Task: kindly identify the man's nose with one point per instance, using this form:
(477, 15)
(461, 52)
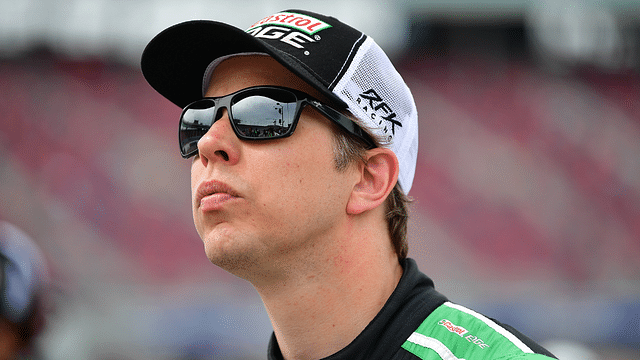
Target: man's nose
(220, 143)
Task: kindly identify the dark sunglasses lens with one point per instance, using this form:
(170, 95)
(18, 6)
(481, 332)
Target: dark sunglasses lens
(264, 114)
(196, 120)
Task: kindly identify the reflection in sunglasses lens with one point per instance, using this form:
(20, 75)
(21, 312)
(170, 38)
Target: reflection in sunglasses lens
(258, 113)
(262, 116)
(196, 121)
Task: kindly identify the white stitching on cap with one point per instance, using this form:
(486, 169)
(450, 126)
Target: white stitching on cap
(353, 48)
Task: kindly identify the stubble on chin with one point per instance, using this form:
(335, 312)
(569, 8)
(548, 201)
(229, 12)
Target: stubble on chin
(231, 255)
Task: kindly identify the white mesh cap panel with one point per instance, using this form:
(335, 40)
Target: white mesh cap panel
(378, 96)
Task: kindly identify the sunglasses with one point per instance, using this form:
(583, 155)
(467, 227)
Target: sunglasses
(256, 113)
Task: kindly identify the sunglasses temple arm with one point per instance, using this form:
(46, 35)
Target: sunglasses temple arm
(343, 121)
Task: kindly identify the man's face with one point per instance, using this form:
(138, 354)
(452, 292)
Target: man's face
(270, 202)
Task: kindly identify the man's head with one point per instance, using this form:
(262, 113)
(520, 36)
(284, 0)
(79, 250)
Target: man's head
(318, 55)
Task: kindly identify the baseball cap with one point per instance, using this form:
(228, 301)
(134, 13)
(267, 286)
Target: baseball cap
(342, 63)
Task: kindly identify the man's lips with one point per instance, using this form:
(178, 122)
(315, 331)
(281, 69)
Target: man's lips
(210, 195)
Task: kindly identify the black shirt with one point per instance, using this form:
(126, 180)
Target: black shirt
(413, 300)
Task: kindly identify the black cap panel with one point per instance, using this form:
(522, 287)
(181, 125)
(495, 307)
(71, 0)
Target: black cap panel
(174, 62)
(315, 47)
(322, 46)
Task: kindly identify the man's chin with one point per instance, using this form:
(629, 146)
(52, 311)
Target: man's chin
(231, 257)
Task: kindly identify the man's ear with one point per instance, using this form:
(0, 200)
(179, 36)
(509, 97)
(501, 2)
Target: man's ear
(378, 176)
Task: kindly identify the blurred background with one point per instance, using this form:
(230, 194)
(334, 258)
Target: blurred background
(527, 190)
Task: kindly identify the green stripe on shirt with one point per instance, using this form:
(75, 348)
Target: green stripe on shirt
(453, 332)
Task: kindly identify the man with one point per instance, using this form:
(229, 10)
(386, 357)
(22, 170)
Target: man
(299, 188)
(23, 279)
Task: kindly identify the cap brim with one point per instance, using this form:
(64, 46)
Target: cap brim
(174, 62)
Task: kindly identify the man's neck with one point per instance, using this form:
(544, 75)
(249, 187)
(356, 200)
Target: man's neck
(319, 309)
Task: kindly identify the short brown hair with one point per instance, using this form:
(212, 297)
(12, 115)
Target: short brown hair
(349, 150)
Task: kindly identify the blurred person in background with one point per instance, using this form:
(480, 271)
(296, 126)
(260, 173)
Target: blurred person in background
(24, 277)
(300, 187)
